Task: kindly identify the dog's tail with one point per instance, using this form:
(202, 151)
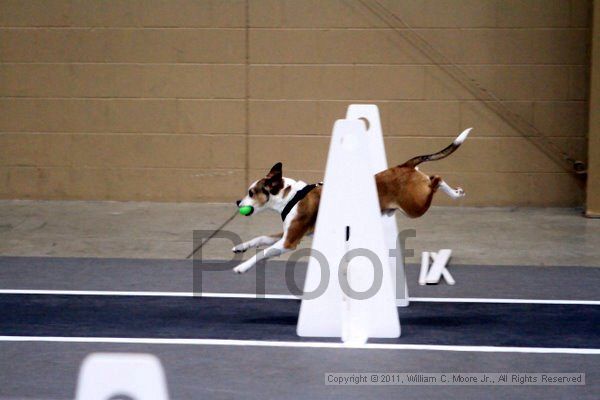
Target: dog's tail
(413, 162)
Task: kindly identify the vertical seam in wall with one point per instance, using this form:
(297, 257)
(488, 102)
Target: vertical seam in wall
(570, 24)
(247, 96)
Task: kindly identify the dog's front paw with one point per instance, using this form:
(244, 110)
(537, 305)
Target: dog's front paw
(240, 248)
(460, 192)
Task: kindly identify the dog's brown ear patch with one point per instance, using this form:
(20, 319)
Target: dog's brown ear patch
(275, 170)
(274, 185)
(274, 179)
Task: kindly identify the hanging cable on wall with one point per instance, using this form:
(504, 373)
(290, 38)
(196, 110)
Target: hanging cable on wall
(491, 101)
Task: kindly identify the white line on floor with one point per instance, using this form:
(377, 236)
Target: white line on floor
(509, 301)
(286, 296)
(326, 345)
(142, 293)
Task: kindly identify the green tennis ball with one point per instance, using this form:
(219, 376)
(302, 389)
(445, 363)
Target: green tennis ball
(246, 210)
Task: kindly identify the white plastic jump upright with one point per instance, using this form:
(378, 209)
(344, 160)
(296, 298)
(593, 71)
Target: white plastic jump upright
(349, 229)
(369, 113)
(120, 375)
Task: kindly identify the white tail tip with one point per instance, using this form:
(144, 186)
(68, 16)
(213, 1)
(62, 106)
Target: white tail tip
(462, 137)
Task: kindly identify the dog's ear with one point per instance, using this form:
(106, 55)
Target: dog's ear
(274, 179)
(275, 170)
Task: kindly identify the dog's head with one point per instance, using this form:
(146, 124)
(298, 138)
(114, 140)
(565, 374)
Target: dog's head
(262, 193)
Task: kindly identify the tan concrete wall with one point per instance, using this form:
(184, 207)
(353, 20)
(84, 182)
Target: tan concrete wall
(593, 185)
(187, 100)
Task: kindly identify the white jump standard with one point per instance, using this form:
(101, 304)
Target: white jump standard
(345, 238)
(352, 218)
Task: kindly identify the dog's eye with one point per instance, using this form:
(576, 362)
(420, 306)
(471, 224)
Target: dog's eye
(250, 193)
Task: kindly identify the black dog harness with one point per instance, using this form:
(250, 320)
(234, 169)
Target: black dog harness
(300, 194)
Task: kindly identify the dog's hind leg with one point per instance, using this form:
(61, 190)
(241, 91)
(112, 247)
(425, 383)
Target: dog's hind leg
(453, 193)
(257, 242)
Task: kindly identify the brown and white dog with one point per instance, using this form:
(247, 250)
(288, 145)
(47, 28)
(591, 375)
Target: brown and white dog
(402, 187)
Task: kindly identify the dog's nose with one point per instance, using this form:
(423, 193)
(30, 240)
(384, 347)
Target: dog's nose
(237, 202)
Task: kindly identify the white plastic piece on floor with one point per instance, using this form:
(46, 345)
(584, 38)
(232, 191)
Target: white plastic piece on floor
(447, 277)
(438, 267)
(424, 268)
(349, 228)
(369, 114)
(120, 375)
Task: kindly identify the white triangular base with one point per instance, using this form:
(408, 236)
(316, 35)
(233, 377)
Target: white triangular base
(349, 202)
